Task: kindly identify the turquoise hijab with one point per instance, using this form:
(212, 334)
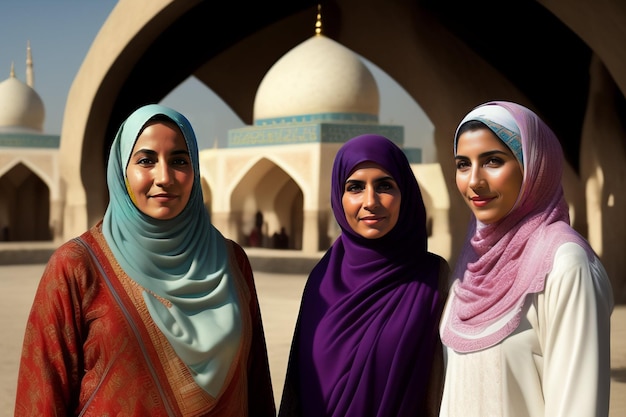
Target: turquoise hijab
(183, 260)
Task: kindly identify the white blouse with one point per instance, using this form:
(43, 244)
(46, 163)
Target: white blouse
(555, 364)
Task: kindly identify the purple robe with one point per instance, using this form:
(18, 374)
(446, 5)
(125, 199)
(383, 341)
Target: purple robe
(366, 340)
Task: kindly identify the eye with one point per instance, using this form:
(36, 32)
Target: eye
(145, 161)
(353, 187)
(180, 161)
(494, 162)
(385, 186)
(462, 164)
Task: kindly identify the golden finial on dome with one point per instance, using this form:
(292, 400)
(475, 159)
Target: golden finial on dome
(12, 74)
(318, 21)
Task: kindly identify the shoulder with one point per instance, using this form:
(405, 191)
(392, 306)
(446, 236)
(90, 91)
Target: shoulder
(238, 257)
(235, 249)
(443, 268)
(560, 251)
(571, 256)
(73, 258)
(576, 269)
(70, 252)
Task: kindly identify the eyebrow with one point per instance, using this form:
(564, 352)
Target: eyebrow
(151, 152)
(380, 179)
(485, 154)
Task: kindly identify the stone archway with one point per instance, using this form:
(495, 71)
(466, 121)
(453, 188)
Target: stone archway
(267, 189)
(25, 206)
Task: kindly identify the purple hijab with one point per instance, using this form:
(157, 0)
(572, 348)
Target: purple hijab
(367, 328)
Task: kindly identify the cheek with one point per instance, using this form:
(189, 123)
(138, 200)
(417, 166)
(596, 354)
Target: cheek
(347, 201)
(514, 189)
(460, 183)
(187, 180)
(394, 208)
(136, 180)
(510, 182)
(351, 207)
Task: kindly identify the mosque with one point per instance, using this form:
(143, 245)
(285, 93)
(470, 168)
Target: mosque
(568, 66)
(314, 98)
(278, 168)
(30, 183)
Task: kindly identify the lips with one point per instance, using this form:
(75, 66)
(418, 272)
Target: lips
(480, 201)
(163, 196)
(371, 219)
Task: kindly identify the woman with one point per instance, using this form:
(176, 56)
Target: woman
(527, 323)
(366, 340)
(151, 311)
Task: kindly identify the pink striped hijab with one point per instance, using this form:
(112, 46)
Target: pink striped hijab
(501, 263)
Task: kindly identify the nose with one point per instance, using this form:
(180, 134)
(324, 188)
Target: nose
(476, 180)
(163, 175)
(370, 199)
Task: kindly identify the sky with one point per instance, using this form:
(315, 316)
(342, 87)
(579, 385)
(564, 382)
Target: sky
(61, 32)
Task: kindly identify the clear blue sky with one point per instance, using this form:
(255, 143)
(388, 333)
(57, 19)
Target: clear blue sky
(60, 34)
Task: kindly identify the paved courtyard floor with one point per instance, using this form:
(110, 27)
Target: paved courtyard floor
(279, 295)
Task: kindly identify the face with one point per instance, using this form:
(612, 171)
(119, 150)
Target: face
(488, 175)
(159, 172)
(371, 201)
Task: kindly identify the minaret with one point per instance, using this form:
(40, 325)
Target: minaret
(30, 76)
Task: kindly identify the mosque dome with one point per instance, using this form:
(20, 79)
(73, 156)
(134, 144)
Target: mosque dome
(317, 76)
(20, 105)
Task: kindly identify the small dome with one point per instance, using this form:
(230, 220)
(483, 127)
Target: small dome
(20, 105)
(317, 76)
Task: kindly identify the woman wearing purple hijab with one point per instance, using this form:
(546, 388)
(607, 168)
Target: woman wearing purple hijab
(527, 324)
(366, 340)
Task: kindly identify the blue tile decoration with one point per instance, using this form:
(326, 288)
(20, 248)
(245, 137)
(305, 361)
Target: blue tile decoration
(311, 128)
(29, 140)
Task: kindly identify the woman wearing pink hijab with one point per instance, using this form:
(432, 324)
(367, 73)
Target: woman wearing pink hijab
(526, 327)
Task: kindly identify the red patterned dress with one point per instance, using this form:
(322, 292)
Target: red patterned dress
(92, 349)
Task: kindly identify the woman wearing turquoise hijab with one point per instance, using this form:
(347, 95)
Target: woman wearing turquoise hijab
(151, 311)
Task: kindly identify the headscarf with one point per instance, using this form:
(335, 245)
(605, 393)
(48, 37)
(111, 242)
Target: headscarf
(368, 322)
(501, 263)
(183, 260)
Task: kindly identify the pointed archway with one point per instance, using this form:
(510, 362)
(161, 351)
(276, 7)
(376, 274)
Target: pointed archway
(267, 189)
(25, 206)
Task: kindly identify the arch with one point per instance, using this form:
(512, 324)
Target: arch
(268, 189)
(448, 66)
(264, 161)
(25, 206)
(43, 176)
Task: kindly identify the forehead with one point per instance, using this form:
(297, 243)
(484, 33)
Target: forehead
(368, 167)
(158, 131)
(480, 140)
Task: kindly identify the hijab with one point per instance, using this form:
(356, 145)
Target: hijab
(368, 321)
(183, 260)
(502, 263)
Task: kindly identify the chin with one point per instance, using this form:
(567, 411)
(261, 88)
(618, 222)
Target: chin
(163, 216)
(374, 235)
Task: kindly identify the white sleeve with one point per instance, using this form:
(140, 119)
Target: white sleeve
(577, 309)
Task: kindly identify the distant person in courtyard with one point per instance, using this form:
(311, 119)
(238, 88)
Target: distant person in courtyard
(366, 341)
(151, 312)
(527, 323)
(255, 238)
(280, 239)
